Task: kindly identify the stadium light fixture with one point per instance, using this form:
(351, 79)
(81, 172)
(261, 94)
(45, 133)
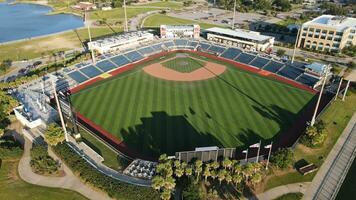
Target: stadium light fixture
(60, 112)
(295, 43)
(89, 34)
(318, 102)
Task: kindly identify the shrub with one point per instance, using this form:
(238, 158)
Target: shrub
(88, 174)
(9, 148)
(314, 135)
(283, 158)
(41, 162)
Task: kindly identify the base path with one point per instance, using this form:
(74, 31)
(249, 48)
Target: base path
(331, 174)
(69, 181)
(282, 190)
(210, 70)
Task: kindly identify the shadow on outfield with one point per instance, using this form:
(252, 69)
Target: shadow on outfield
(163, 133)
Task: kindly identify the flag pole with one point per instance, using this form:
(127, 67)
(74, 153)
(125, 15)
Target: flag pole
(338, 88)
(269, 155)
(258, 152)
(246, 155)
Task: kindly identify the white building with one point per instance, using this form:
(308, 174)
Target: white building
(121, 42)
(328, 33)
(240, 38)
(180, 31)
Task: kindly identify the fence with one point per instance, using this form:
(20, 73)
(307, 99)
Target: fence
(205, 156)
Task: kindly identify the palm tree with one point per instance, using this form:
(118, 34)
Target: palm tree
(198, 167)
(183, 165)
(157, 182)
(256, 178)
(160, 168)
(226, 163)
(177, 164)
(170, 183)
(233, 164)
(215, 165)
(228, 178)
(188, 171)
(166, 194)
(163, 158)
(213, 174)
(247, 171)
(206, 173)
(221, 175)
(179, 172)
(237, 178)
(237, 169)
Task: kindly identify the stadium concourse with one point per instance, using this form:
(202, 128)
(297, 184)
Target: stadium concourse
(86, 71)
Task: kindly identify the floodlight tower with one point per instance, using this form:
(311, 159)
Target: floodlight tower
(60, 112)
(87, 23)
(296, 43)
(318, 102)
(233, 17)
(126, 26)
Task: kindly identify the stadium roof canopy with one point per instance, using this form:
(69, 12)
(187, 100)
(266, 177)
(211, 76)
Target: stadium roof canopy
(239, 33)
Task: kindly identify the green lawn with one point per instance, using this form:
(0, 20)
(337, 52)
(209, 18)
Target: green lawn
(184, 65)
(336, 118)
(348, 187)
(163, 4)
(290, 196)
(12, 187)
(158, 19)
(156, 116)
(118, 13)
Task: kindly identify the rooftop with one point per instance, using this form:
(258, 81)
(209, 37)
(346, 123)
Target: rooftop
(317, 67)
(240, 33)
(186, 26)
(338, 22)
(121, 38)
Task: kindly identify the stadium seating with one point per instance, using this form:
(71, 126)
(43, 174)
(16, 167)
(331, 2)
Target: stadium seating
(90, 71)
(120, 60)
(290, 72)
(204, 46)
(77, 76)
(259, 62)
(231, 53)
(157, 47)
(134, 56)
(80, 65)
(273, 66)
(106, 65)
(146, 50)
(307, 80)
(216, 49)
(192, 44)
(180, 42)
(169, 44)
(297, 64)
(245, 58)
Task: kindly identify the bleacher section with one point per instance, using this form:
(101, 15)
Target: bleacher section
(84, 71)
(77, 76)
(120, 60)
(290, 72)
(273, 66)
(245, 58)
(231, 53)
(90, 71)
(259, 62)
(105, 65)
(134, 56)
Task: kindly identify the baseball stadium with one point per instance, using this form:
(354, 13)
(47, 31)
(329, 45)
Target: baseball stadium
(176, 95)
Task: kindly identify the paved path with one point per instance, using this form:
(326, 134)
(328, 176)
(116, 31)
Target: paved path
(281, 190)
(69, 181)
(331, 174)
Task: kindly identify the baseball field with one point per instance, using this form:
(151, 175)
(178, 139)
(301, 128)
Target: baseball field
(183, 101)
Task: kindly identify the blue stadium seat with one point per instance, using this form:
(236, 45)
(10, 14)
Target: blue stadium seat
(290, 72)
(307, 80)
(90, 71)
(216, 49)
(180, 42)
(273, 66)
(245, 58)
(146, 50)
(297, 64)
(157, 47)
(77, 76)
(204, 46)
(192, 44)
(231, 53)
(105, 65)
(120, 60)
(169, 44)
(259, 62)
(134, 56)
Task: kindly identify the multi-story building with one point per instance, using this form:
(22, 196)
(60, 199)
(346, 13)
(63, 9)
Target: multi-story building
(328, 33)
(249, 40)
(180, 31)
(121, 41)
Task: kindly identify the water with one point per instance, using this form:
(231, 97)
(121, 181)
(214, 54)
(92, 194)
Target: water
(24, 21)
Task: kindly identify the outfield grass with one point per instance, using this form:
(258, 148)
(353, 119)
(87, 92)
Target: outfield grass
(156, 20)
(156, 116)
(335, 118)
(12, 187)
(184, 65)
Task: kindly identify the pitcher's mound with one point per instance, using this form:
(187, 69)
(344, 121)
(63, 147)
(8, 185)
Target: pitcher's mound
(210, 70)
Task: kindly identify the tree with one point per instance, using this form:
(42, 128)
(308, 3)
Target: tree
(198, 167)
(170, 183)
(215, 165)
(283, 158)
(226, 163)
(188, 171)
(179, 172)
(283, 5)
(166, 194)
(248, 170)
(157, 182)
(221, 175)
(54, 135)
(256, 178)
(262, 4)
(228, 178)
(237, 179)
(5, 65)
(206, 173)
(281, 52)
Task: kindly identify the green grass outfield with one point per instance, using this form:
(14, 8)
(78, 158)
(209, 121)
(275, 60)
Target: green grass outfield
(184, 64)
(155, 116)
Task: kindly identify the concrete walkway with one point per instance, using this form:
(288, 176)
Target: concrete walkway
(69, 181)
(331, 174)
(281, 190)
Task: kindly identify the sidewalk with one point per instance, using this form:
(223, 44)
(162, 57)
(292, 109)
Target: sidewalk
(69, 181)
(281, 190)
(332, 173)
